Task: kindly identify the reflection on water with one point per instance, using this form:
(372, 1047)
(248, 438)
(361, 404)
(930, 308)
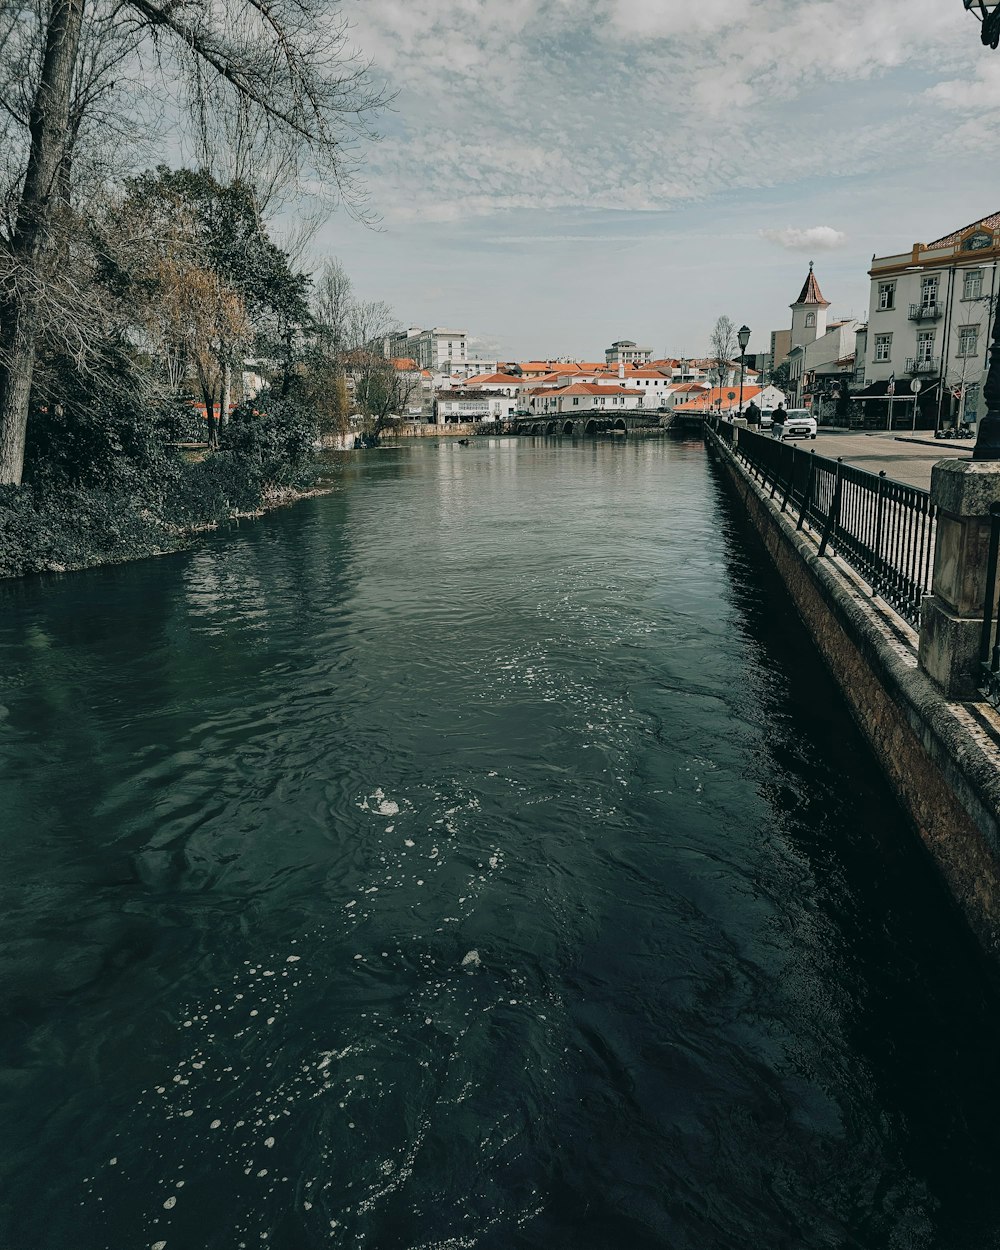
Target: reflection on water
(476, 856)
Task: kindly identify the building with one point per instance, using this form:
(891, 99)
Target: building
(685, 392)
(625, 352)
(725, 399)
(464, 369)
(477, 405)
(580, 397)
(930, 321)
(825, 366)
(439, 350)
(808, 322)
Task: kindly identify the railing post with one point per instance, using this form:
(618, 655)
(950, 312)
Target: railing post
(951, 617)
(830, 529)
(879, 509)
(791, 480)
(807, 497)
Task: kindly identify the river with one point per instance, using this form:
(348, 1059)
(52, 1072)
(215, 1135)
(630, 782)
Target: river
(477, 856)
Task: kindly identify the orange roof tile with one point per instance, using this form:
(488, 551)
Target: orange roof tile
(718, 396)
(992, 222)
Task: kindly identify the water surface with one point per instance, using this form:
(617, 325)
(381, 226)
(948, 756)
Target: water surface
(478, 856)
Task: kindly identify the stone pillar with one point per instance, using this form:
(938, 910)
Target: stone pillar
(951, 617)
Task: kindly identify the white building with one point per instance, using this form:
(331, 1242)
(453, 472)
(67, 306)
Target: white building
(812, 368)
(584, 397)
(625, 352)
(656, 387)
(478, 405)
(930, 321)
(439, 350)
(465, 369)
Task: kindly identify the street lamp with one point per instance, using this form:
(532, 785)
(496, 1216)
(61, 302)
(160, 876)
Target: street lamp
(988, 12)
(743, 337)
(988, 435)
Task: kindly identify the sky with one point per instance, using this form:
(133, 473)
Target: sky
(557, 174)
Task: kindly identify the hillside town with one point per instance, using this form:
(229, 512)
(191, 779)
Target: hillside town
(919, 360)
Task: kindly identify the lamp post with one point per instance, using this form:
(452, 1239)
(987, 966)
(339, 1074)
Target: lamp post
(743, 337)
(988, 436)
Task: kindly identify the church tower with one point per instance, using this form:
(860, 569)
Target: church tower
(809, 313)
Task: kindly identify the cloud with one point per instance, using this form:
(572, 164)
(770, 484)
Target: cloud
(811, 239)
(649, 105)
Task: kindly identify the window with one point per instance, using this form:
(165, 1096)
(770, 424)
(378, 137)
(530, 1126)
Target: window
(886, 296)
(925, 346)
(810, 319)
(968, 341)
(883, 347)
(929, 291)
(576, 403)
(972, 286)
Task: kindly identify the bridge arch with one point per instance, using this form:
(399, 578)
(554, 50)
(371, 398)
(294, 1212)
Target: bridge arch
(568, 427)
(590, 427)
(620, 424)
(537, 428)
(550, 428)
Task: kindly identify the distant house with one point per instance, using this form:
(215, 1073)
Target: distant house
(472, 405)
(580, 397)
(625, 352)
(727, 399)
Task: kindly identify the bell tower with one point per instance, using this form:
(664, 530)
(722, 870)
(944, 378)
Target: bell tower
(809, 313)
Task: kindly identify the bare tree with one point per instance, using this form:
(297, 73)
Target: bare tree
(280, 71)
(966, 364)
(722, 347)
(333, 302)
(383, 387)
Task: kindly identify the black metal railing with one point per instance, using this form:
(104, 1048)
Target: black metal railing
(883, 529)
(925, 312)
(989, 648)
(921, 364)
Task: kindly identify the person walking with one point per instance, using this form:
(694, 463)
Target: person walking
(753, 415)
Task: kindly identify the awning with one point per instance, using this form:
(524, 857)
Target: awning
(879, 390)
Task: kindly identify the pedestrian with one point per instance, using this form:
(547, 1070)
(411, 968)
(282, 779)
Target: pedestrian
(753, 414)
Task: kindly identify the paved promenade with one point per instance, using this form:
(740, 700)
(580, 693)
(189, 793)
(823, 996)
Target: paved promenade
(907, 459)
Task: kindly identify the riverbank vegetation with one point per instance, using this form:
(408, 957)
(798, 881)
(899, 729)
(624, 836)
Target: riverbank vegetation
(147, 312)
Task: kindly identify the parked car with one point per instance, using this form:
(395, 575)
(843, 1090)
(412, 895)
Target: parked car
(766, 418)
(797, 423)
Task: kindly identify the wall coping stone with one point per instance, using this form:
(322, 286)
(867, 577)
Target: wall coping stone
(965, 488)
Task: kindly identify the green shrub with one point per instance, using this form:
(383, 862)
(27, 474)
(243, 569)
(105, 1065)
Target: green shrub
(103, 485)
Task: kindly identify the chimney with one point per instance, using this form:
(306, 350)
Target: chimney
(621, 370)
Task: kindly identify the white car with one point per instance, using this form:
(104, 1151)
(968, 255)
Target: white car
(796, 423)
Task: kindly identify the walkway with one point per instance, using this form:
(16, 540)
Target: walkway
(908, 458)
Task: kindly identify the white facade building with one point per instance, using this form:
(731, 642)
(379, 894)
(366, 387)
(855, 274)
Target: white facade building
(440, 350)
(930, 320)
(479, 405)
(625, 352)
(813, 366)
(584, 397)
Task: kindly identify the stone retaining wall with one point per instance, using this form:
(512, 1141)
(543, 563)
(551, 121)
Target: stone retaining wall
(942, 757)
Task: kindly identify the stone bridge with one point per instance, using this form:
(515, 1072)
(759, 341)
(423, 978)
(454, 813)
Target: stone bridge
(579, 425)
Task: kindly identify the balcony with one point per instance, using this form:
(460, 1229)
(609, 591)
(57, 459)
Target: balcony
(919, 365)
(925, 312)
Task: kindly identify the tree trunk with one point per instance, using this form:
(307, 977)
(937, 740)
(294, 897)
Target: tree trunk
(49, 130)
(227, 391)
